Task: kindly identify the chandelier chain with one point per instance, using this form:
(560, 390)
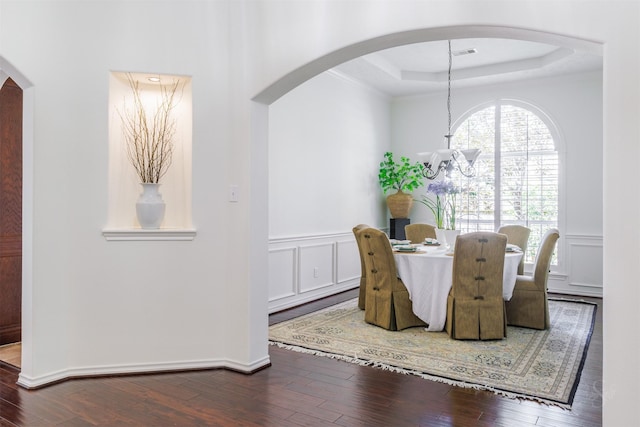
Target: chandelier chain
(449, 160)
(449, 92)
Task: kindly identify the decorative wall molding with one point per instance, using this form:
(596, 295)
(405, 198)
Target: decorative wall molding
(583, 273)
(306, 268)
(349, 267)
(283, 272)
(358, 84)
(147, 234)
(590, 237)
(308, 237)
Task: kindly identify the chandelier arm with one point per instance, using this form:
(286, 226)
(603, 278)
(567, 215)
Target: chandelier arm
(467, 171)
(429, 173)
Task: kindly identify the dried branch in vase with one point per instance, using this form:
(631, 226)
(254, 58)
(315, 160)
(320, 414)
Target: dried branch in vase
(149, 136)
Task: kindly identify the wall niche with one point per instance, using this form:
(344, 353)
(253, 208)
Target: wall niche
(124, 180)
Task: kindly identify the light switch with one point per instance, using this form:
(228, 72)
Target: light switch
(233, 193)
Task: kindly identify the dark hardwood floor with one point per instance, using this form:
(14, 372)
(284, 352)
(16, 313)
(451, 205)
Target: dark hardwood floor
(297, 390)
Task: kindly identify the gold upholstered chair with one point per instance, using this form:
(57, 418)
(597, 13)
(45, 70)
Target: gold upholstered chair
(363, 274)
(517, 235)
(528, 307)
(418, 232)
(475, 307)
(387, 300)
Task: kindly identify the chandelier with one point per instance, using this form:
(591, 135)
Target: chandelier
(449, 160)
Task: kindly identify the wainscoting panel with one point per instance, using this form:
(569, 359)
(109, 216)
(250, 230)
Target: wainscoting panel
(283, 272)
(585, 256)
(349, 267)
(583, 267)
(306, 268)
(316, 266)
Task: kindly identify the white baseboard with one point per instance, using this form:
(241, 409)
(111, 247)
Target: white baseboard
(96, 371)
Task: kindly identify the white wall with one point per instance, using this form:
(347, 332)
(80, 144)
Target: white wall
(326, 139)
(573, 103)
(95, 304)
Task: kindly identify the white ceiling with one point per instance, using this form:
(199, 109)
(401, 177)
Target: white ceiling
(422, 67)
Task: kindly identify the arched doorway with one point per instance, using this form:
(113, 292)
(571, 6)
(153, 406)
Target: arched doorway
(10, 222)
(22, 111)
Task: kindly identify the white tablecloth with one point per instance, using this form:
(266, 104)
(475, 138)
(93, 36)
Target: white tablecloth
(428, 276)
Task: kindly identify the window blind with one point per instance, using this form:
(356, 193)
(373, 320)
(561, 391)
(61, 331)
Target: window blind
(516, 178)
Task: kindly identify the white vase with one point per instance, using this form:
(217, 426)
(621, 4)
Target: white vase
(447, 237)
(150, 206)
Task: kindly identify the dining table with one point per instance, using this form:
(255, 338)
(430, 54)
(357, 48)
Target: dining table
(427, 274)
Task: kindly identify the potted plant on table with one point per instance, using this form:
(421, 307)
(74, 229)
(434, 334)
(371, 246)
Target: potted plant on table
(443, 208)
(404, 177)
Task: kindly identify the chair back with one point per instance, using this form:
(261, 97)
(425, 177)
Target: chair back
(543, 257)
(517, 235)
(378, 258)
(475, 308)
(387, 300)
(363, 270)
(478, 265)
(417, 233)
(381, 278)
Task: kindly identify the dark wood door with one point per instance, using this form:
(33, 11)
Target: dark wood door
(10, 212)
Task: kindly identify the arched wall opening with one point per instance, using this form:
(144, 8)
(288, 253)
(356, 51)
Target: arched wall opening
(262, 101)
(330, 60)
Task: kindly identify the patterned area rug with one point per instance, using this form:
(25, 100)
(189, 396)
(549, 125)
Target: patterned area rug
(539, 365)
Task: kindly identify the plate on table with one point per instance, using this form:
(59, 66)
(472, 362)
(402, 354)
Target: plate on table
(405, 248)
(395, 242)
(431, 242)
(513, 248)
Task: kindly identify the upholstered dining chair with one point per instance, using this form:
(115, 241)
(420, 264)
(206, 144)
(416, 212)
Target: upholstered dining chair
(363, 274)
(529, 307)
(475, 307)
(517, 235)
(387, 300)
(418, 232)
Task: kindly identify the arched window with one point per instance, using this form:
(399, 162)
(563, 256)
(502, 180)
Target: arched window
(517, 173)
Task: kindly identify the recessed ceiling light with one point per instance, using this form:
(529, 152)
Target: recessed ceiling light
(464, 52)
(154, 79)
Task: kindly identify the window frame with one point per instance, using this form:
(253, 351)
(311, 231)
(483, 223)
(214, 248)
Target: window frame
(559, 145)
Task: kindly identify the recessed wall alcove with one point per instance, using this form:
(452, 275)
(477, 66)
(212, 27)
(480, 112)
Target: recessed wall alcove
(124, 184)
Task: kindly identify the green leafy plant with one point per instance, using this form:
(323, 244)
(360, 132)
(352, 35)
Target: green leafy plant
(402, 176)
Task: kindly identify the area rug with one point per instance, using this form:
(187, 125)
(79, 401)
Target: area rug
(538, 365)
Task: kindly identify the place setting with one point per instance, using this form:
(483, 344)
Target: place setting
(404, 246)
